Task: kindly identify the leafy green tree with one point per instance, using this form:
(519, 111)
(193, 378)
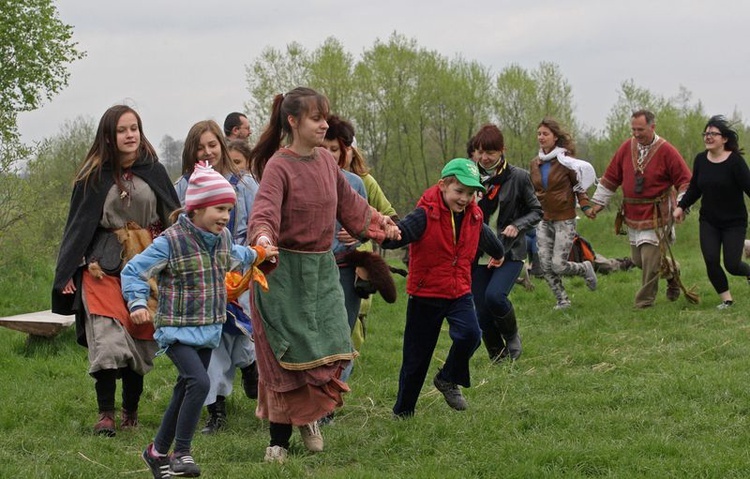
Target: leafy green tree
(330, 71)
(523, 98)
(390, 116)
(35, 50)
(48, 183)
(678, 120)
(414, 109)
(272, 73)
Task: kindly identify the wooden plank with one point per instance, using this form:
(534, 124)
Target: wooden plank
(40, 323)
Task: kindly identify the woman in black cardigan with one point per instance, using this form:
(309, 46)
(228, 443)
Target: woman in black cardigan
(722, 179)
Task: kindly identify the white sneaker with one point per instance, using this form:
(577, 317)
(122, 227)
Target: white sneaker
(311, 437)
(275, 454)
(725, 304)
(564, 304)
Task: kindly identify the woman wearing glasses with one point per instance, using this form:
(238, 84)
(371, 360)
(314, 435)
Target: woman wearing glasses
(720, 177)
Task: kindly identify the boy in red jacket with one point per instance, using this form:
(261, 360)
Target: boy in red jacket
(443, 233)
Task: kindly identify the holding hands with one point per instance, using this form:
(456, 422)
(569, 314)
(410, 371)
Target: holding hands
(591, 212)
(271, 252)
(679, 215)
(140, 316)
(495, 263)
(392, 232)
(510, 231)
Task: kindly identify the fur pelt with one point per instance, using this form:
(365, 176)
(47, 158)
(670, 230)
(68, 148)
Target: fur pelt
(134, 240)
(378, 272)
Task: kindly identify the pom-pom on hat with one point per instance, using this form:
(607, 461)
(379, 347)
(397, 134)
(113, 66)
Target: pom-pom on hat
(207, 187)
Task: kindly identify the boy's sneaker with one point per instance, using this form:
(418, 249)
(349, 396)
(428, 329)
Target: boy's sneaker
(311, 437)
(158, 465)
(276, 454)
(589, 275)
(184, 466)
(106, 424)
(451, 393)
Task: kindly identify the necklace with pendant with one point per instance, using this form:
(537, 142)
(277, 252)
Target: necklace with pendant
(127, 186)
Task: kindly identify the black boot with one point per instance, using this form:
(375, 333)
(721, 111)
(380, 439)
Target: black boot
(217, 416)
(508, 327)
(493, 341)
(250, 380)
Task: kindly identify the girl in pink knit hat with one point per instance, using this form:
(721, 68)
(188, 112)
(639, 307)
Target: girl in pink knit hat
(236, 351)
(189, 261)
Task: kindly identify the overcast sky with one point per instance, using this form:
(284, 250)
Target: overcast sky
(181, 61)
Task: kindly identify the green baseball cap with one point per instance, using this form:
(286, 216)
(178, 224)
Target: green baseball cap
(465, 170)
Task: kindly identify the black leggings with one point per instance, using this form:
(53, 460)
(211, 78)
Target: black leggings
(732, 240)
(106, 387)
(280, 434)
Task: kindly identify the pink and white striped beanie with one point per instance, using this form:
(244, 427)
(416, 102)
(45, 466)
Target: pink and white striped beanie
(207, 187)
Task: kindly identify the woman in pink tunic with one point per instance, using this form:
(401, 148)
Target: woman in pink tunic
(302, 337)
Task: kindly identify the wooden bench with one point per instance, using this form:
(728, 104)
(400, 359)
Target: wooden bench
(42, 323)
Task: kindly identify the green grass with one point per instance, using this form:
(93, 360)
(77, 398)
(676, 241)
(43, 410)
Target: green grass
(601, 390)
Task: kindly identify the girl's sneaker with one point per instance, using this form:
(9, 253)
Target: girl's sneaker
(276, 454)
(311, 437)
(158, 465)
(184, 466)
(725, 304)
(564, 304)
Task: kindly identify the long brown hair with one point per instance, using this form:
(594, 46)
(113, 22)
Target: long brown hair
(297, 103)
(190, 149)
(104, 149)
(564, 139)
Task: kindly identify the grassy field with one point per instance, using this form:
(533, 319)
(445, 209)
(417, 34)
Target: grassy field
(602, 390)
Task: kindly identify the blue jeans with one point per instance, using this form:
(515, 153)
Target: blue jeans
(424, 318)
(184, 411)
(531, 247)
(491, 287)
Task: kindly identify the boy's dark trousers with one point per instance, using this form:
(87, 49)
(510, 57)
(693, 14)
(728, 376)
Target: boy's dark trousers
(424, 318)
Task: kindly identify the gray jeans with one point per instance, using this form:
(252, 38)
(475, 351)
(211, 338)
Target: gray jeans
(554, 240)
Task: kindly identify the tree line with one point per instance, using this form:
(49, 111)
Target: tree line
(414, 109)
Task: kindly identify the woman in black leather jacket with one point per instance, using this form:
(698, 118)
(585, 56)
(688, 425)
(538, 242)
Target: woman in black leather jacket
(511, 208)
